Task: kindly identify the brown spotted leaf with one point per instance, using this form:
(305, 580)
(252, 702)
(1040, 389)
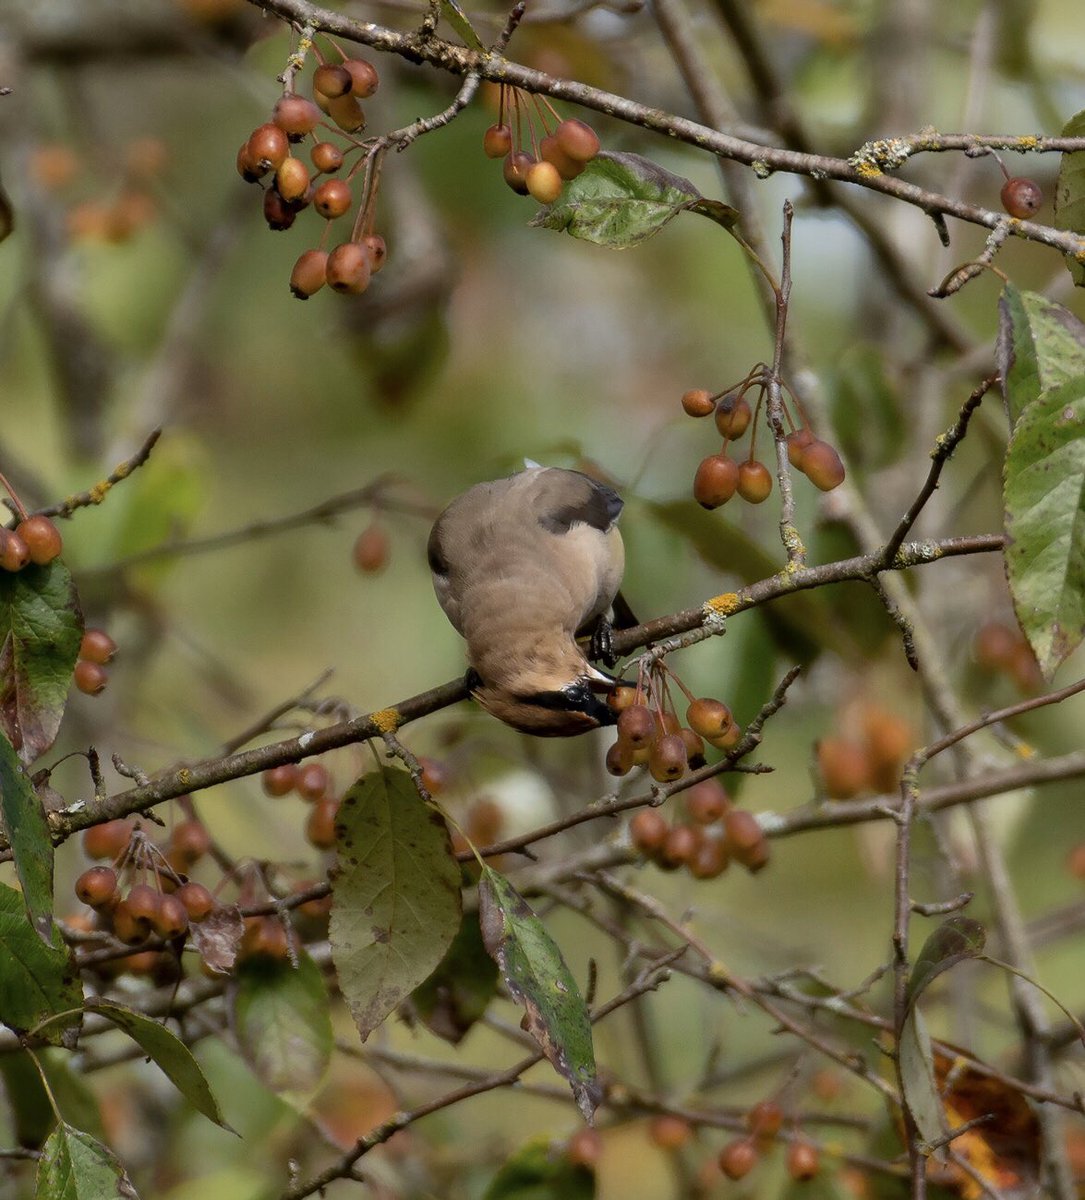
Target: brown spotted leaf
(537, 977)
(395, 897)
(1041, 344)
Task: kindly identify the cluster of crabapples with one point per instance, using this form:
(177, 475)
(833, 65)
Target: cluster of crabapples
(865, 753)
(713, 834)
(111, 209)
(650, 733)
(719, 476)
(142, 895)
(96, 652)
(144, 892)
(312, 782)
(764, 1122)
(672, 1133)
(33, 540)
(269, 153)
(538, 166)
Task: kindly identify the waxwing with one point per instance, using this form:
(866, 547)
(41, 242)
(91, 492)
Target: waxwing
(521, 566)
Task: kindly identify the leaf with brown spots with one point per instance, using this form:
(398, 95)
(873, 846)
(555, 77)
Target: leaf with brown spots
(536, 975)
(1041, 344)
(395, 897)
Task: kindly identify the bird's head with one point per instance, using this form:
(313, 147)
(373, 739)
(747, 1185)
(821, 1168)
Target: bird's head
(571, 709)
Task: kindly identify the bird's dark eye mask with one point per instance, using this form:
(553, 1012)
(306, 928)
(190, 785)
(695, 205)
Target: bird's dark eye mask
(575, 697)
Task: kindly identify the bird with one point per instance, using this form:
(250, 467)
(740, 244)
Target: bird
(520, 566)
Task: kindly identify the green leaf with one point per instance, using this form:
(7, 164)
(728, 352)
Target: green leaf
(1044, 492)
(539, 1171)
(27, 830)
(458, 993)
(37, 980)
(618, 200)
(956, 939)
(457, 18)
(537, 977)
(74, 1166)
(168, 1051)
(1040, 345)
(1070, 194)
(917, 1078)
(40, 629)
(396, 896)
(281, 1016)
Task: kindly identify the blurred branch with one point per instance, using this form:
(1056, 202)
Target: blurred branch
(372, 494)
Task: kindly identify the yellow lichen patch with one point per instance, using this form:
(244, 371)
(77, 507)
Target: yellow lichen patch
(718, 974)
(386, 720)
(184, 776)
(724, 605)
(866, 169)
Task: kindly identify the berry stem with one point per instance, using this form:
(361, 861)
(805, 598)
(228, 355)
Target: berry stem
(553, 111)
(677, 679)
(518, 139)
(542, 112)
(756, 414)
(338, 49)
(23, 514)
(363, 223)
